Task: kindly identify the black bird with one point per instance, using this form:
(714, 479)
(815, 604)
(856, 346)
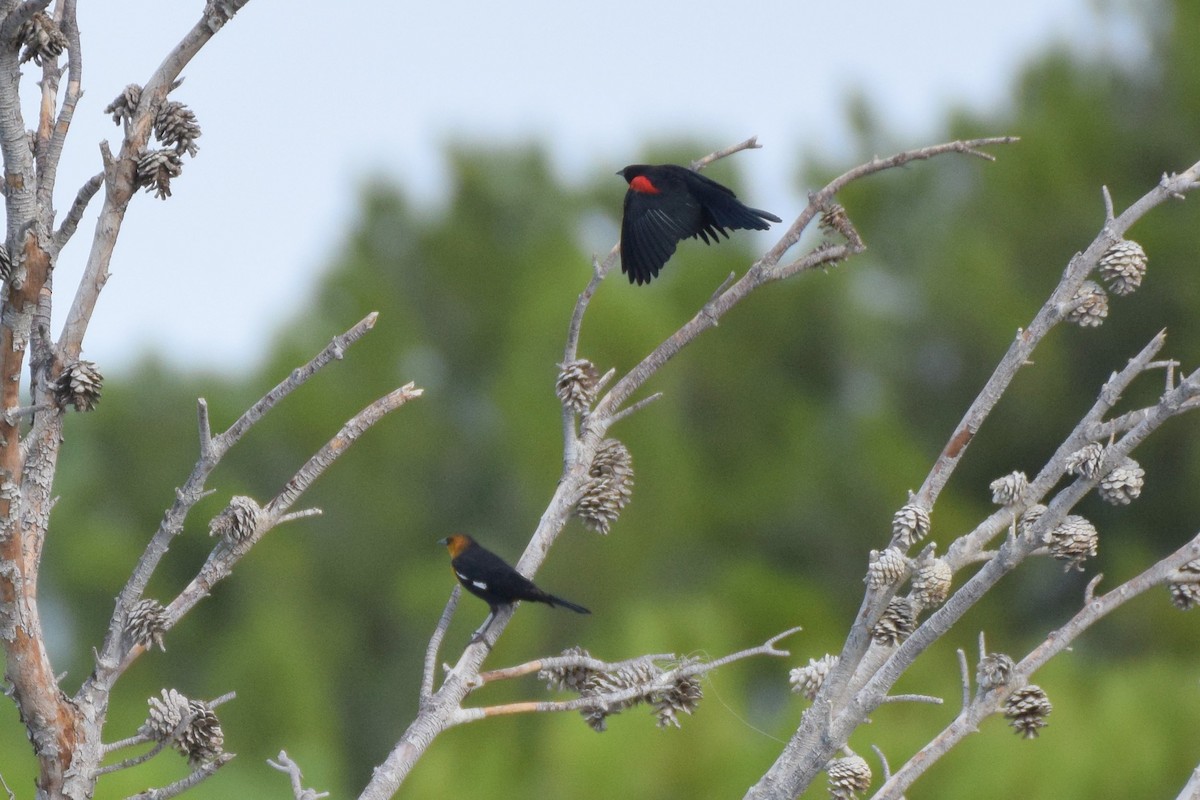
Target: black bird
(485, 575)
(667, 203)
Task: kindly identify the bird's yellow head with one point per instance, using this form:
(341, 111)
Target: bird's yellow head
(456, 543)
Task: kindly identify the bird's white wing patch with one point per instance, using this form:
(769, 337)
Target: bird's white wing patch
(477, 584)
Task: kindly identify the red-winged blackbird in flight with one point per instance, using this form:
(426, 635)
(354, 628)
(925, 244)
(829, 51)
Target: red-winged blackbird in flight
(667, 203)
(486, 575)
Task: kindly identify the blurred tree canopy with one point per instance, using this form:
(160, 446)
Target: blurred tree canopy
(784, 442)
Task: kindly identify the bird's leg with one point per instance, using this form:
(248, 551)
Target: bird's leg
(479, 634)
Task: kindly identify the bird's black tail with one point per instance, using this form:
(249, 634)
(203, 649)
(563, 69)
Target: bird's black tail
(551, 600)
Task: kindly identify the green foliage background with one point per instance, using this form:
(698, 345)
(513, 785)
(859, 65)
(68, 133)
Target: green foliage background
(784, 442)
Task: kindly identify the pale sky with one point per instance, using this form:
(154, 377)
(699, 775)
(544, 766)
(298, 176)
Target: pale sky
(300, 105)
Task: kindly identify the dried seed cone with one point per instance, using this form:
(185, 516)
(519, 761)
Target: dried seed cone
(1123, 266)
(1123, 484)
(203, 739)
(156, 168)
(808, 680)
(165, 715)
(833, 218)
(609, 486)
(638, 674)
(1027, 709)
(683, 695)
(1074, 541)
(79, 385)
(1091, 306)
(238, 521)
(1009, 489)
(898, 621)
(147, 623)
(1086, 461)
(1029, 518)
(886, 568)
(994, 669)
(931, 582)
(572, 678)
(41, 38)
(576, 385)
(909, 525)
(848, 777)
(1186, 594)
(123, 106)
(175, 126)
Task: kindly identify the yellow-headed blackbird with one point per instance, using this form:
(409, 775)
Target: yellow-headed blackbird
(667, 203)
(486, 575)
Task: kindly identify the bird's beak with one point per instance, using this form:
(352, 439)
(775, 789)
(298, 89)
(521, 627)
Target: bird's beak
(444, 542)
(618, 172)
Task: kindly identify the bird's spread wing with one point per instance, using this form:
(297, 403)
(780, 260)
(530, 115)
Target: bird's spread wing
(651, 226)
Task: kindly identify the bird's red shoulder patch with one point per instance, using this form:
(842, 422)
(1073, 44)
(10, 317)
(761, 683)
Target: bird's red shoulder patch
(642, 184)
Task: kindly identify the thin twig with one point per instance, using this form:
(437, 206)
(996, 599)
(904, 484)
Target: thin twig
(566, 662)
(633, 409)
(71, 221)
(748, 144)
(212, 450)
(1060, 639)
(913, 698)
(285, 764)
(221, 561)
(764, 271)
(435, 643)
(964, 671)
(617, 697)
(199, 775)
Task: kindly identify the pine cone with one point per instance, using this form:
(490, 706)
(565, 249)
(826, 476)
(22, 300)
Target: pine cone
(833, 218)
(1075, 540)
(931, 582)
(682, 695)
(123, 106)
(576, 385)
(79, 385)
(42, 39)
(165, 715)
(1091, 306)
(994, 669)
(1123, 484)
(1086, 461)
(848, 777)
(238, 521)
(609, 486)
(156, 168)
(809, 679)
(203, 739)
(1026, 710)
(1186, 594)
(568, 678)
(1029, 518)
(1010, 489)
(909, 525)
(896, 624)
(638, 674)
(146, 624)
(1123, 266)
(886, 568)
(175, 126)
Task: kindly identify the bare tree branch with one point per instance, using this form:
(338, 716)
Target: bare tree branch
(987, 703)
(435, 643)
(199, 775)
(286, 765)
